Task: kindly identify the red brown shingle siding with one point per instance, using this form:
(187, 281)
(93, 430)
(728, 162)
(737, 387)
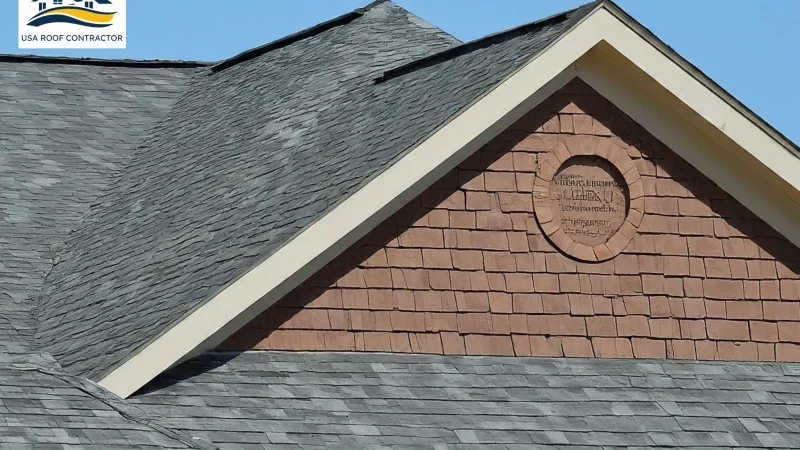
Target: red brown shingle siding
(464, 268)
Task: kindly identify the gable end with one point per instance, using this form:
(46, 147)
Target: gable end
(468, 267)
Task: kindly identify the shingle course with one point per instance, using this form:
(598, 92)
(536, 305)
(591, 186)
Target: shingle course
(42, 407)
(470, 413)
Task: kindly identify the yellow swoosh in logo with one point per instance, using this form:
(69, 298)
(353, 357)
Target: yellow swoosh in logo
(72, 15)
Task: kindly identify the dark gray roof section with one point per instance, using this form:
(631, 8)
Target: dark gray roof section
(298, 400)
(43, 408)
(67, 127)
(248, 158)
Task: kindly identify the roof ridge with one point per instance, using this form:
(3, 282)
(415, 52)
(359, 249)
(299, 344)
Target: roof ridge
(321, 27)
(254, 52)
(149, 63)
(481, 42)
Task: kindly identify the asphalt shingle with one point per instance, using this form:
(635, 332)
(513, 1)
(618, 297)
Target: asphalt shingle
(41, 407)
(367, 400)
(66, 130)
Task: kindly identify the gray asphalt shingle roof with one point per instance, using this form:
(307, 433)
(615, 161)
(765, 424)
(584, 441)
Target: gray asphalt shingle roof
(302, 400)
(179, 177)
(248, 157)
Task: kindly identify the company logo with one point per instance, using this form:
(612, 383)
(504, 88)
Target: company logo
(72, 23)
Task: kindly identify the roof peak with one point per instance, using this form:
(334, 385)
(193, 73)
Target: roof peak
(369, 6)
(143, 63)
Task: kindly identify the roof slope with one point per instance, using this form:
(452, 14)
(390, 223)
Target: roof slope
(349, 400)
(250, 156)
(66, 129)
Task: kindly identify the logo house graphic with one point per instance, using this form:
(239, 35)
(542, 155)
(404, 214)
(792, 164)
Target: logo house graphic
(72, 23)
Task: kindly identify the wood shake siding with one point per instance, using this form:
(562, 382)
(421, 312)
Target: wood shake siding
(466, 269)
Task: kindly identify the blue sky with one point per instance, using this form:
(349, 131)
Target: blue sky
(750, 47)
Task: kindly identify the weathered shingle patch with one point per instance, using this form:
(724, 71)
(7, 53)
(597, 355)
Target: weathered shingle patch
(349, 400)
(248, 158)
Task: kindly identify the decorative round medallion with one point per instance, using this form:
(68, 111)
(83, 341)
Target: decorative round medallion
(588, 198)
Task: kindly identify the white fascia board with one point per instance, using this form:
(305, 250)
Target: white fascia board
(748, 182)
(668, 69)
(251, 294)
(761, 191)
